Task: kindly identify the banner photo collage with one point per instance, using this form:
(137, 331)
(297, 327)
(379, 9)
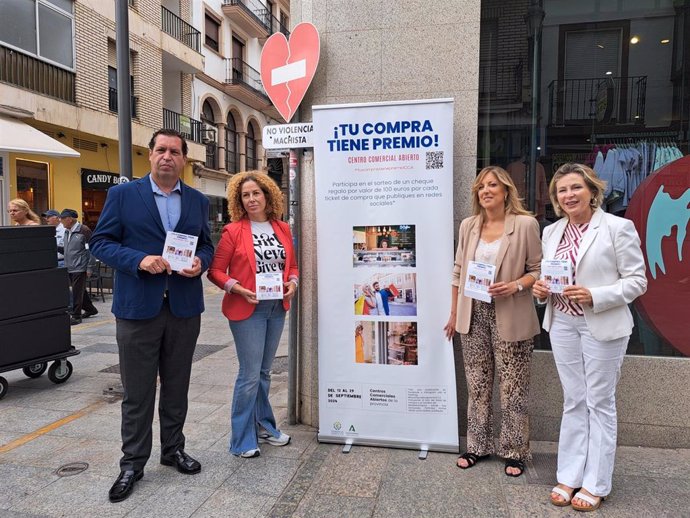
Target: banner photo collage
(384, 206)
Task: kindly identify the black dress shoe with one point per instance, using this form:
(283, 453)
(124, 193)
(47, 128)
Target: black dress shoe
(124, 485)
(87, 314)
(183, 462)
(74, 321)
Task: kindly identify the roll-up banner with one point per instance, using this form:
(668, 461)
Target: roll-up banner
(384, 202)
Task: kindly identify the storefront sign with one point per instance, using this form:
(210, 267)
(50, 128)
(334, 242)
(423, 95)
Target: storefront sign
(288, 136)
(659, 209)
(98, 180)
(384, 203)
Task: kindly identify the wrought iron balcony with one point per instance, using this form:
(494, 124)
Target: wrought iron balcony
(240, 73)
(252, 16)
(190, 128)
(608, 100)
(500, 81)
(19, 69)
(180, 30)
(112, 101)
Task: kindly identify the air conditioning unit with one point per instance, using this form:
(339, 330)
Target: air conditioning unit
(208, 134)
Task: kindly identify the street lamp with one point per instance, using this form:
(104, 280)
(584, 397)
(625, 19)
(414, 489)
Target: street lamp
(534, 19)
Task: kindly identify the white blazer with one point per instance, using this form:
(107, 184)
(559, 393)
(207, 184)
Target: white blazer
(611, 265)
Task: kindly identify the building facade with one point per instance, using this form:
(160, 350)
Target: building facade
(538, 83)
(58, 74)
(229, 97)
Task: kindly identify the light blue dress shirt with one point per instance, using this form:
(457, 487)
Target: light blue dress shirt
(169, 205)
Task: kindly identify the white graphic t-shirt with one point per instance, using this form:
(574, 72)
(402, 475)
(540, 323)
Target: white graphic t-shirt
(269, 252)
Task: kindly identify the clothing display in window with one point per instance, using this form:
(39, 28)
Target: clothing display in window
(624, 166)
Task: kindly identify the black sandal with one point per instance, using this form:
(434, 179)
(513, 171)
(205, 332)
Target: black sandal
(471, 459)
(512, 463)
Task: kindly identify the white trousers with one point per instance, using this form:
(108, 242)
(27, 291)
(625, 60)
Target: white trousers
(589, 371)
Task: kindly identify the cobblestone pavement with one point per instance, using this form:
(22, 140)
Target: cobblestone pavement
(44, 427)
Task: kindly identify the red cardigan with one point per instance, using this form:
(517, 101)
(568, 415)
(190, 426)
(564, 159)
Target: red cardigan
(234, 259)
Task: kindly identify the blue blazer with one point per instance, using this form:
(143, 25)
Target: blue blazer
(129, 229)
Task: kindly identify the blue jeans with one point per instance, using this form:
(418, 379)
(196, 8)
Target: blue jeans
(256, 342)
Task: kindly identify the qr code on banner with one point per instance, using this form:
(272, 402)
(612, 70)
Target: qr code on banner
(434, 159)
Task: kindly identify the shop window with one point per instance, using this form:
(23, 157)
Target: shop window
(618, 83)
(32, 184)
(211, 32)
(43, 28)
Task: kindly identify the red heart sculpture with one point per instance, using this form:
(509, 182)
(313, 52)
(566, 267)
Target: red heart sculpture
(288, 67)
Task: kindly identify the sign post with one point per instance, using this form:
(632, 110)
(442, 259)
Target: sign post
(287, 69)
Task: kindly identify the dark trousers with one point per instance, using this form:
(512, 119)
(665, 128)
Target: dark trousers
(77, 281)
(78, 284)
(162, 345)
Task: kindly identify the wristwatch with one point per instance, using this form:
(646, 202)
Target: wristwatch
(520, 286)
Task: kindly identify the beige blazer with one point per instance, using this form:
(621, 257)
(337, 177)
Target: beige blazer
(519, 253)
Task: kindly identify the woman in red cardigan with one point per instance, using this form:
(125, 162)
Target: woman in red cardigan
(255, 262)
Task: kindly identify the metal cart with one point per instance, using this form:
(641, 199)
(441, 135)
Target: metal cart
(59, 372)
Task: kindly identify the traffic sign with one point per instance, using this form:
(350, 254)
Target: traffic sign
(288, 67)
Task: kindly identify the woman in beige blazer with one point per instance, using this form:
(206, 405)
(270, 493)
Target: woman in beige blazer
(498, 334)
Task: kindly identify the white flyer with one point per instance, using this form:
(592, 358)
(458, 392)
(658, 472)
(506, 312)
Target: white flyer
(479, 277)
(179, 250)
(269, 286)
(557, 273)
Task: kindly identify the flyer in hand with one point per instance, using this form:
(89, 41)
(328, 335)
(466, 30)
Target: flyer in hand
(479, 277)
(557, 273)
(179, 250)
(269, 286)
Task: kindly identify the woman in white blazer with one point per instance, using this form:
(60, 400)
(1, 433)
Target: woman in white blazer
(589, 325)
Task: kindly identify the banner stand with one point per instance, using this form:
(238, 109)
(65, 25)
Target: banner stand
(384, 205)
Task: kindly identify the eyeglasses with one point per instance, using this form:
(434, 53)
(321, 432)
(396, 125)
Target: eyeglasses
(10, 211)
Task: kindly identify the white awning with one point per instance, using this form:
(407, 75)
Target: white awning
(18, 137)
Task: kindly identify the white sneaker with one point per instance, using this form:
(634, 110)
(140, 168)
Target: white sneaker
(250, 454)
(281, 440)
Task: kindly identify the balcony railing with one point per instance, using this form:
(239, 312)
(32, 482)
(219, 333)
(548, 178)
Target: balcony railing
(614, 100)
(190, 128)
(276, 26)
(500, 80)
(28, 72)
(240, 73)
(180, 30)
(256, 10)
(112, 101)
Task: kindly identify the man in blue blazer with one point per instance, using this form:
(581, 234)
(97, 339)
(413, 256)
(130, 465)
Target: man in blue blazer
(158, 311)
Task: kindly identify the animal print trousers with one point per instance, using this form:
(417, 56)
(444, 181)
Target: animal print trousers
(483, 352)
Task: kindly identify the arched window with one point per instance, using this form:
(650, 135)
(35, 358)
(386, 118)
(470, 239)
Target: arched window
(211, 147)
(232, 144)
(207, 113)
(252, 159)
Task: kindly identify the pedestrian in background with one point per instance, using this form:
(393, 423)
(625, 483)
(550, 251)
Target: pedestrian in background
(589, 325)
(158, 311)
(52, 217)
(497, 334)
(256, 242)
(78, 263)
(21, 214)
